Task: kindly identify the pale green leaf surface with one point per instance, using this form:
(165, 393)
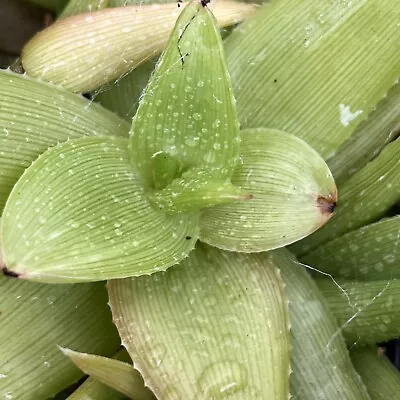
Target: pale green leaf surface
(95, 390)
(197, 124)
(368, 253)
(380, 128)
(92, 389)
(293, 195)
(80, 213)
(123, 95)
(34, 319)
(214, 326)
(35, 115)
(197, 189)
(364, 199)
(117, 374)
(80, 6)
(367, 312)
(85, 51)
(379, 375)
(321, 365)
(314, 68)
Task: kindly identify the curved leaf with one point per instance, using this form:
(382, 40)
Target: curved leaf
(85, 51)
(379, 375)
(115, 373)
(122, 96)
(94, 390)
(34, 319)
(214, 326)
(369, 253)
(364, 198)
(293, 195)
(314, 68)
(197, 126)
(80, 213)
(35, 115)
(321, 365)
(367, 312)
(80, 6)
(380, 128)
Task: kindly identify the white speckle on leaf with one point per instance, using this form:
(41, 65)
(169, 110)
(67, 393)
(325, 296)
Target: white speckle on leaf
(346, 116)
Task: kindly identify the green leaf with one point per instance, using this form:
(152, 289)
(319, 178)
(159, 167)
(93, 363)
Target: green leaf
(320, 361)
(122, 96)
(35, 116)
(364, 199)
(34, 319)
(197, 126)
(368, 140)
(213, 327)
(314, 68)
(368, 253)
(379, 375)
(197, 189)
(80, 213)
(94, 390)
(367, 312)
(85, 51)
(117, 374)
(293, 195)
(80, 6)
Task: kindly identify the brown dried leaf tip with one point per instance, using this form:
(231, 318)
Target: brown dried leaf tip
(327, 204)
(9, 273)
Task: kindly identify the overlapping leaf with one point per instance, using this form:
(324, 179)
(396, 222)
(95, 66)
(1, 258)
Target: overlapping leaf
(115, 373)
(293, 195)
(381, 127)
(35, 115)
(320, 361)
(188, 112)
(369, 253)
(367, 312)
(314, 68)
(80, 6)
(212, 327)
(122, 96)
(86, 51)
(364, 198)
(377, 372)
(80, 213)
(34, 319)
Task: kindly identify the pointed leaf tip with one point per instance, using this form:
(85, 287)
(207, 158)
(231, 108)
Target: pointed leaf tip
(197, 127)
(113, 372)
(293, 195)
(80, 213)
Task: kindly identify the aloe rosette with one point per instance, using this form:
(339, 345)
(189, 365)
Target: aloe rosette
(96, 205)
(104, 208)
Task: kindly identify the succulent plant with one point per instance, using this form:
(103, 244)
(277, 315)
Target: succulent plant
(180, 182)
